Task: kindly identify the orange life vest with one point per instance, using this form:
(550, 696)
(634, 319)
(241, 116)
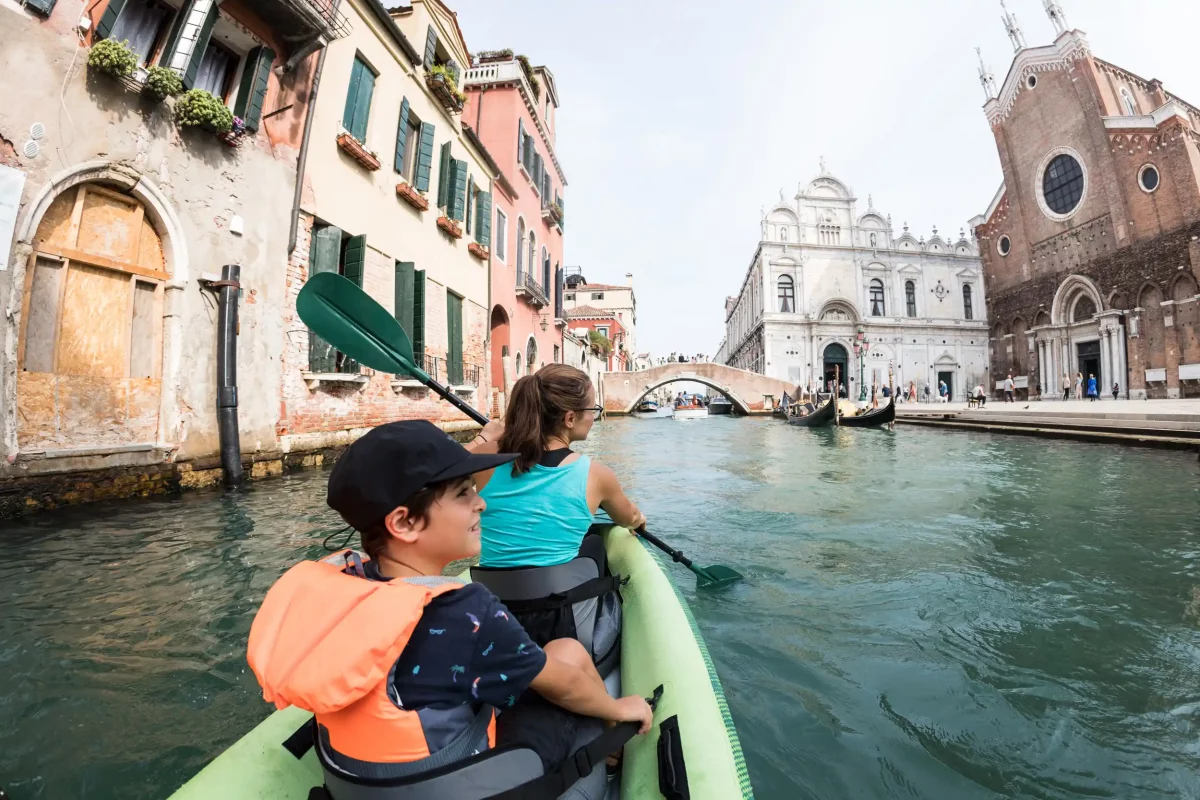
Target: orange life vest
(326, 640)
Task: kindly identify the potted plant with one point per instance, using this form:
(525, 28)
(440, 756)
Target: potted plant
(490, 56)
(113, 58)
(163, 82)
(441, 82)
(534, 83)
(203, 109)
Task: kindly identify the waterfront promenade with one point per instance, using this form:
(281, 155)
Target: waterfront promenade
(1160, 423)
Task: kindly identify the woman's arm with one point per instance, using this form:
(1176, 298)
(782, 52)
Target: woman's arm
(611, 497)
(488, 439)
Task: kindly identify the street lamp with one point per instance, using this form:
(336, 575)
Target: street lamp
(861, 348)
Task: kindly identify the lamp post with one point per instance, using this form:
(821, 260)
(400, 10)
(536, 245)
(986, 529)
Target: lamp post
(861, 348)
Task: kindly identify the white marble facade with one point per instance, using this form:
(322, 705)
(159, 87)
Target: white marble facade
(822, 275)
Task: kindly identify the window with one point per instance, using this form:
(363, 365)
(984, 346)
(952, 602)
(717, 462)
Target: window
(968, 307)
(877, 308)
(597, 295)
(1031, 81)
(1131, 108)
(520, 247)
(358, 99)
(782, 234)
(532, 256)
(872, 240)
(602, 330)
(408, 143)
(217, 67)
(142, 23)
(332, 250)
(1085, 309)
(546, 271)
(1148, 178)
(1062, 184)
(483, 217)
(1004, 246)
(571, 297)
(410, 305)
(557, 355)
(910, 298)
(787, 295)
(501, 235)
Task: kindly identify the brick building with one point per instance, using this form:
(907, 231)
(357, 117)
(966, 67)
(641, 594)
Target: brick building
(1091, 246)
(584, 320)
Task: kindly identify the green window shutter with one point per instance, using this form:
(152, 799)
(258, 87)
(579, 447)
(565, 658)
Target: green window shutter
(362, 106)
(41, 6)
(430, 47)
(444, 176)
(107, 20)
(401, 135)
(172, 38)
(324, 253)
(253, 90)
(520, 140)
(356, 73)
(425, 157)
(356, 260)
(454, 353)
(201, 44)
(470, 205)
(418, 337)
(458, 202)
(483, 221)
(404, 296)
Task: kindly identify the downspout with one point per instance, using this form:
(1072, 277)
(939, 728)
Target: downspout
(227, 402)
(302, 158)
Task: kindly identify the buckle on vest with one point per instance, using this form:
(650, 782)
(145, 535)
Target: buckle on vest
(583, 762)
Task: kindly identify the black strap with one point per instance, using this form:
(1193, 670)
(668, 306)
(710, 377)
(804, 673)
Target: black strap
(672, 771)
(596, 587)
(578, 765)
(302, 740)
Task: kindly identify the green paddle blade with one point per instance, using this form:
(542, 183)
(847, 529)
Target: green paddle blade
(718, 576)
(350, 320)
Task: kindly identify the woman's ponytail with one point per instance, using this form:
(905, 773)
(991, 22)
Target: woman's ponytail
(536, 410)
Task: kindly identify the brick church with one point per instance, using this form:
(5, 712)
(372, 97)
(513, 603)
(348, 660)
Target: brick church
(1091, 247)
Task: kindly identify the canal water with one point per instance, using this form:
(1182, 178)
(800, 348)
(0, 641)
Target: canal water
(927, 614)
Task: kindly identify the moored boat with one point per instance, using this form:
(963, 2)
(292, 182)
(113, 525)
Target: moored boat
(872, 418)
(648, 407)
(821, 416)
(720, 406)
(660, 646)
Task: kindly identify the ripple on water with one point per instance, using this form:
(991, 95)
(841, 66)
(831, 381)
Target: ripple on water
(926, 615)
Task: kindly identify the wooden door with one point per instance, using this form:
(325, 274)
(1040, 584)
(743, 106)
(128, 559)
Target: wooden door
(89, 358)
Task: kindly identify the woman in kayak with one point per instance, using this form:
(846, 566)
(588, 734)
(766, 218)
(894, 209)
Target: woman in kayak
(540, 506)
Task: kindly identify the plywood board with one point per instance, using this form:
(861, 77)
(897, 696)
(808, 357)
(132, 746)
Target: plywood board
(92, 411)
(95, 316)
(143, 396)
(37, 411)
(41, 320)
(55, 227)
(150, 250)
(109, 227)
(142, 331)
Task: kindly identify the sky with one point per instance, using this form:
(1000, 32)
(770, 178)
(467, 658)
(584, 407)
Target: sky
(680, 121)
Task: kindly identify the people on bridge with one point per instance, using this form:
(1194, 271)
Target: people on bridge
(399, 663)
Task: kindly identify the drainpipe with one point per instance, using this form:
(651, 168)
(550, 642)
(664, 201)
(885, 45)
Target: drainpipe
(227, 404)
(302, 158)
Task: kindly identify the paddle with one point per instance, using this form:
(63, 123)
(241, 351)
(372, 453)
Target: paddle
(718, 576)
(350, 320)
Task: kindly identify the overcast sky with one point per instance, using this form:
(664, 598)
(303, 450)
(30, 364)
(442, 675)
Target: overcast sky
(681, 120)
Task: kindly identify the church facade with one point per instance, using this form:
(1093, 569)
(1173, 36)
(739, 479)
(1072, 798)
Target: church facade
(830, 291)
(1091, 246)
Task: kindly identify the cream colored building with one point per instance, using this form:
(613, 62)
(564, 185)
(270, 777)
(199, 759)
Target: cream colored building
(397, 197)
(619, 299)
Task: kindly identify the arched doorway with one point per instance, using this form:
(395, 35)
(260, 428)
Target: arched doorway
(89, 355)
(836, 362)
(500, 344)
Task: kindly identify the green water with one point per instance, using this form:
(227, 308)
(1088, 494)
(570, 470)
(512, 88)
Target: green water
(927, 614)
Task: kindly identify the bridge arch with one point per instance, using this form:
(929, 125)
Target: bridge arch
(739, 404)
(749, 392)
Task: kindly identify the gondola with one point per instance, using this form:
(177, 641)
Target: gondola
(818, 419)
(872, 419)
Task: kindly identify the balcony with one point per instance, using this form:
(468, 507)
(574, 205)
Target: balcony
(531, 290)
(305, 21)
(499, 72)
(552, 213)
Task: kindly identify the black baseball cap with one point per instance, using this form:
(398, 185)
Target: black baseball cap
(387, 466)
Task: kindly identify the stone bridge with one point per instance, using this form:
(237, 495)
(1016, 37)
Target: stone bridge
(749, 392)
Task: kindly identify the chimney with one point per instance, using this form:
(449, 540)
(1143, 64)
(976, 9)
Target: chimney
(629, 279)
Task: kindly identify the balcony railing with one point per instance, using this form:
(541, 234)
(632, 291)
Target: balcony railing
(531, 290)
(302, 20)
(499, 72)
(454, 373)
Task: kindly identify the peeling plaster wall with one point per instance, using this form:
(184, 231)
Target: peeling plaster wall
(200, 183)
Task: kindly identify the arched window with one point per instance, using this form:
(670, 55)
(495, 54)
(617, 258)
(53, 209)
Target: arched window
(1085, 309)
(1130, 106)
(968, 307)
(782, 233)
(877, 308)
(520, 247)
(910, 298)
(787, 295)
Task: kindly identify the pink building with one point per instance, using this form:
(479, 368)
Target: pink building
(511, 106)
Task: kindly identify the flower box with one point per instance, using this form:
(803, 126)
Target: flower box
(478, 250)
(355, 149)
(451, 227)
(408, 194)
(444, 92)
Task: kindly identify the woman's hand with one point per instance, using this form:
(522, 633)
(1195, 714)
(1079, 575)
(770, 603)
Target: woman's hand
(639, 520)
(493, 430)
(634, 709)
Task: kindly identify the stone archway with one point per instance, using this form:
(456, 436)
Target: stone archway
(835, 359)
(739, 405)
(1073, 290)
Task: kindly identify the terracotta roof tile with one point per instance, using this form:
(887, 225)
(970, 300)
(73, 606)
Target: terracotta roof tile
(596, 287)
(589, 312)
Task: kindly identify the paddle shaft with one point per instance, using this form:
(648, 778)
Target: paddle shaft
(673, 553)
(455, 400)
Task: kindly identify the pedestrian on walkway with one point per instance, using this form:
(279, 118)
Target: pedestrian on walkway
(1078, 385)
(1116, 390)
(1093, 390)
(943, 392)
(1066, 384)
(1010, 388)
(927, 393)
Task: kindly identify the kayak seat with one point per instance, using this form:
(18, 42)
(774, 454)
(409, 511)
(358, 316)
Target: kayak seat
(579, 600)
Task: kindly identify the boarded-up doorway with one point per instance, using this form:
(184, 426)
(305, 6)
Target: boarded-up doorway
(90, 351)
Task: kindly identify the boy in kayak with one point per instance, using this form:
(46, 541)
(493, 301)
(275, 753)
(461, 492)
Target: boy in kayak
(409, 491)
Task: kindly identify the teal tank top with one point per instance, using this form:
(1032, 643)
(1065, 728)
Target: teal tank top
(537, 519)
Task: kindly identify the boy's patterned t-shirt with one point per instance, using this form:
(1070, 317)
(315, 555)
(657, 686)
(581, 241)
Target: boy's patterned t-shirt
(467, 648)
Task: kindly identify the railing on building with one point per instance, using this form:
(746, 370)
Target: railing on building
(454, 373)
(529, 288)
(499, 72)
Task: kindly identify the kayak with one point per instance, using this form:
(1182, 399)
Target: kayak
(660, 646)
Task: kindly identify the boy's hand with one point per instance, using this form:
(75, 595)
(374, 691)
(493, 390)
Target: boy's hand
(635, 709)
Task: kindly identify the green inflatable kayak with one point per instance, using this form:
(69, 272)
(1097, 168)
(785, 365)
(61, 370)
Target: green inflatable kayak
(660, 646)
